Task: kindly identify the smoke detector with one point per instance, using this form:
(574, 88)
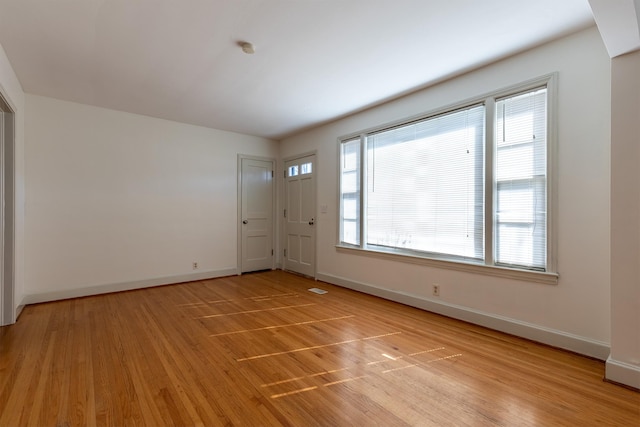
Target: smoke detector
(247, 48)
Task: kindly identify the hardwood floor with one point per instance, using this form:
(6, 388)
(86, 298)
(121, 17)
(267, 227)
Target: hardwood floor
(261, 350)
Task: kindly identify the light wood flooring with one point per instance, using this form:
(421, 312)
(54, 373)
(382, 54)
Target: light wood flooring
(261, 350)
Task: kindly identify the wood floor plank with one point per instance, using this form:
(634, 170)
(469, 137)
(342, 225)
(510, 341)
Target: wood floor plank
(260, 350)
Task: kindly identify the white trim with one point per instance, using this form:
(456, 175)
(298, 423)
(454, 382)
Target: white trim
(19, 310)
(552, 168)
(7, 99)
(582, 345)
(622, 373)
(479, 99)
(300, 156)
(8, 313)
(6, 297)
(484, 269)
(487, 265)
(124, 286)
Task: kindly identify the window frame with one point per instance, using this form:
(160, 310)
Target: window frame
(488, 266)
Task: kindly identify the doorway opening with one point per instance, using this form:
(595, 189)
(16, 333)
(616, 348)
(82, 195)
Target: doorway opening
(7, 147)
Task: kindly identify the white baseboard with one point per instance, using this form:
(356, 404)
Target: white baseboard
(124, 286)
(581, 345)
(623, 373)
(19, 310)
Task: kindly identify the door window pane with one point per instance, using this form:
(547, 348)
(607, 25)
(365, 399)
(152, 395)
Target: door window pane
(306, 168)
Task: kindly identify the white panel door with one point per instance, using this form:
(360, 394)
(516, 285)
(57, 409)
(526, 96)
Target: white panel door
(300, 227)
(256, 215)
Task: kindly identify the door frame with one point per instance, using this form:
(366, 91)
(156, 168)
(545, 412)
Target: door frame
(7, 212)
(283, 231)
(239, 208)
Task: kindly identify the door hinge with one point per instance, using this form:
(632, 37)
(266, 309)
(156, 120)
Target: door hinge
(285, 213)
(285, 252)
(271, 252)
(284, 172)
(271, 174)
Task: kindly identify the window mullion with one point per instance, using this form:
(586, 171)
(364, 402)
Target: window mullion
(363, 190)
(552, 184)
(489, 181)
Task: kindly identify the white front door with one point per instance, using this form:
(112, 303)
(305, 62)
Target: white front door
(300, 216)
(256, 214)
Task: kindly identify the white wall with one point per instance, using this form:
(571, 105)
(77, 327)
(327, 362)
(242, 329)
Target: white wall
(624, 363)
(575, 313)
(116, 198)
(12, 91)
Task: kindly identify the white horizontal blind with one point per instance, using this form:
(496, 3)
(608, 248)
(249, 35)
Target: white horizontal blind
(425, 185)
(521, 180)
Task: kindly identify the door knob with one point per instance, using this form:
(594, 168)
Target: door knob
(311, 222)
(245, 222)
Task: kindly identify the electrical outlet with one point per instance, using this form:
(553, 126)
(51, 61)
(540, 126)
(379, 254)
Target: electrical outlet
(436, 290)
(195, 265)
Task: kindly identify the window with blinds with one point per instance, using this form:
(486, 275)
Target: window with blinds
(521, 180)
(419, 188)
(350, 191)
(425, 183)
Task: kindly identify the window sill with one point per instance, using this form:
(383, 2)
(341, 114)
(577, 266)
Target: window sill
(488, 270)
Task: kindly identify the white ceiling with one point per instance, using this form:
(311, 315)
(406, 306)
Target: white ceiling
(315, 60)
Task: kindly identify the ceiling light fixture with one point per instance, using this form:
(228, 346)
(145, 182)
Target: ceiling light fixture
(247, 47)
